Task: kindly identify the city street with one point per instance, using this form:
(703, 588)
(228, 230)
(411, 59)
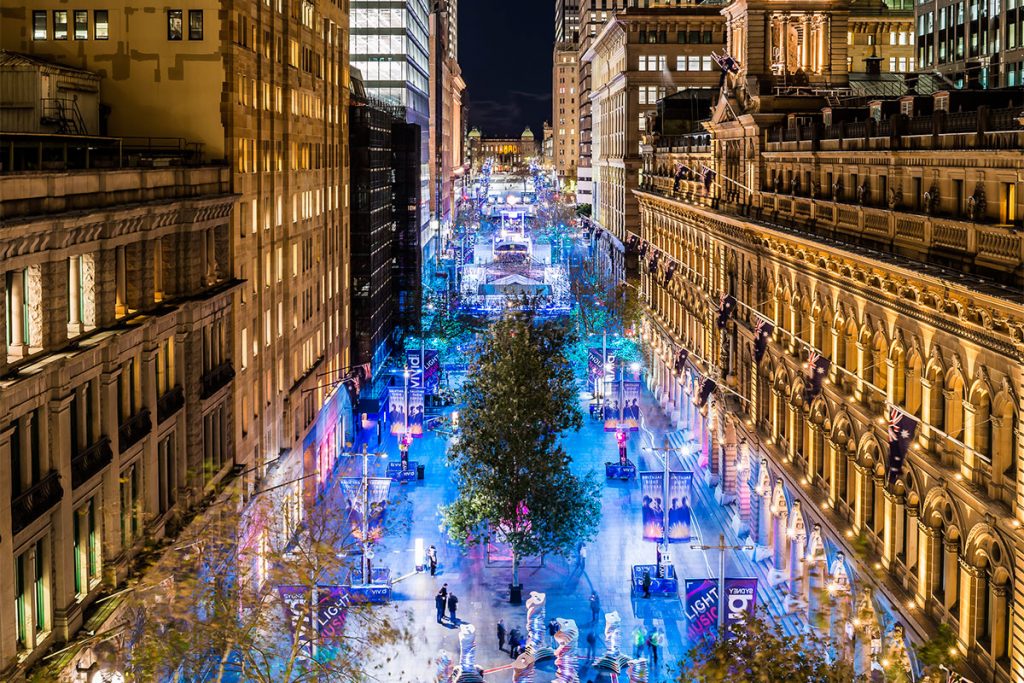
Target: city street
(481, 585)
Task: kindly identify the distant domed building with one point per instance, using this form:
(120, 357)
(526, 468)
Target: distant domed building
(509, 153)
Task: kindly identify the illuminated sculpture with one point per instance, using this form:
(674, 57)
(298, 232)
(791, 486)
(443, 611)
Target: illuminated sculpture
(566, 659)
(612, 659)
(637, 670)
(536, 613)
(467, 671)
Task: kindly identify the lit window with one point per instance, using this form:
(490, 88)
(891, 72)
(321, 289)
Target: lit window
(81, 24)
(101, 24)
(60, 24)
(39, 25)
(174, 24)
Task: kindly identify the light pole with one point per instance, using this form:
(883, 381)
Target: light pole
(721, 548)
(406, 375)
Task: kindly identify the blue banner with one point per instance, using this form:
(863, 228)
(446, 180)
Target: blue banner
(595, 362)
(377, 490)
(740, 602)
(396, 410)
(680, 485)
(630, 406)
(416, 412)
(701, 608)
(652, 510)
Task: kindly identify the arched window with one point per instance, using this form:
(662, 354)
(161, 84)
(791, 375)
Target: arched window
(912, 397)
(879, 368)
(1003, 440)
(850, 346)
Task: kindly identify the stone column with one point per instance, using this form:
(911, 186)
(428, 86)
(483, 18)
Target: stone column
(889, 505)
(120, 282)
(864, 358)
(929, 556)
(832, 467)
(17, 340)
(7, 625)
(764, 520)
(973, 590)
(970, 419)
(101, 268)
(74, 296)
(4, 341)
(951, 558)
(139, 275)
(743, 507)
(997, 619)
(859, 496)
(149, 475)
(111, 509)
(52, 303)
(67, 615)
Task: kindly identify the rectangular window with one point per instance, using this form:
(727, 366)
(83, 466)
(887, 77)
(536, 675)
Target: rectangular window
(174, 21)
(101, 24)
(60, 24)
(41, 588)
(693, 63)
(680, 62)
(81, 24)
(706, 63)
(195, 24)
(39, 25)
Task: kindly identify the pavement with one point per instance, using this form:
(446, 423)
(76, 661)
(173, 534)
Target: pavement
(480, 579)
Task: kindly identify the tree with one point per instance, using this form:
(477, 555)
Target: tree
(214, 606)
(514, 476)
(583, 210)
(761, 652)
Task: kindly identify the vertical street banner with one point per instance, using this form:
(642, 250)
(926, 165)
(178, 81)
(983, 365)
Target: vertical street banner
(652, 510)
(331, 607)
(377, 491)
(595, 362)
(396, 410)
(739, 602)
(416, 412)
(680, 513)
(431, 370)
(630, 406)
(295, 602)
(701, 608)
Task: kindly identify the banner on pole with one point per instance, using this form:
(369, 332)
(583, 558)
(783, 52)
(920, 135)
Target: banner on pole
(331, 606)
(630, 406)
(595, 362)
(295, 601)
(652, 511)
(701, 608)
(740, 602)
(679, 512)
(416, 412)
(431, 370)
(377, 490)
(396, 411)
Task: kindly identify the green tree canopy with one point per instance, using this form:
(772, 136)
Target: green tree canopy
(763, 653)
(514, 476)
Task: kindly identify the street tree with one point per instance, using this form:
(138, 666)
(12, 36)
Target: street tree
(236, 597)
(761, 652)
(514, 476)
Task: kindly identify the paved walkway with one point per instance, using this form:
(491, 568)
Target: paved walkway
(482, 584)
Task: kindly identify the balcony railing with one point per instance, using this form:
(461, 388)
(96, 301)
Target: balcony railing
(216, 378)
(90, 461)
(133, 429)
(170, 403)
(29, 506)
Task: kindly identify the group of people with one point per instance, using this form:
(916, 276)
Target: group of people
(651, 641)
(446, 599)
(516, 642)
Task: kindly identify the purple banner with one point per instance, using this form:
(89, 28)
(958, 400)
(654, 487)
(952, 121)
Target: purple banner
(595, 358)
(377, 491)
(740, 602)
(416, 412)
(331, 607)
(701, 608)
(295, 600)
(652, 511)
(396, 410)
(680, 512)
(431, 370)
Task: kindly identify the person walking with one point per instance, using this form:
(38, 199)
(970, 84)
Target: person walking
(581, 558)
(432, 559)
(647, 584)
(501, 634)
(595, 607)
(639, 640)
(591, 643)
(453, 604)
(653, 643)
(439, 603)
(513, 642)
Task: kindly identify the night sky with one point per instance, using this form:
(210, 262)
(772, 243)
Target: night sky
(505, 54)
